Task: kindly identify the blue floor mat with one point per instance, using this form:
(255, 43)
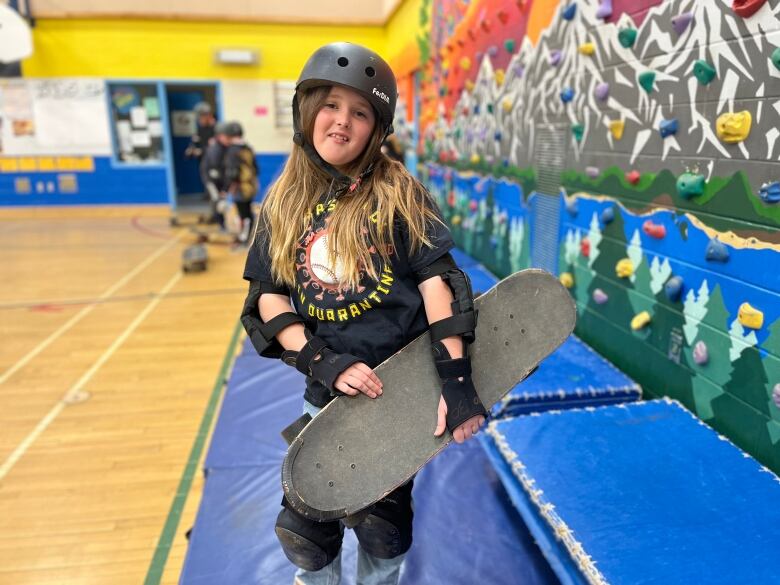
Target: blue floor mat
(640, 493)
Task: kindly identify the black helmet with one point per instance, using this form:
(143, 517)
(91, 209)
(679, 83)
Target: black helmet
(222, 128)
(233, 129)
(355, 67)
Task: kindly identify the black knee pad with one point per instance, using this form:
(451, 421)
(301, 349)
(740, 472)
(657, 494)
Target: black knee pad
(387, 531)
(308, 544)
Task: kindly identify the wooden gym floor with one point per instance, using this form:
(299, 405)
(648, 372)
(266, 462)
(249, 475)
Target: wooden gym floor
(111, 364)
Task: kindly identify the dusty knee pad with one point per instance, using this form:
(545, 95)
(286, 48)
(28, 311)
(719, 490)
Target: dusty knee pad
(308, 544)
(387, 531)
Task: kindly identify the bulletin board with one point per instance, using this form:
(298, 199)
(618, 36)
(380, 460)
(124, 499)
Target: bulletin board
(136, 123)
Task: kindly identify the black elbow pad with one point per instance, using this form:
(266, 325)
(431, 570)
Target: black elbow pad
(263, 335)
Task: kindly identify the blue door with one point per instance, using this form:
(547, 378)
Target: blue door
(181, 100)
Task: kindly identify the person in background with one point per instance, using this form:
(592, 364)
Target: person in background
(205, 131)
(212, 173)
(240, 179)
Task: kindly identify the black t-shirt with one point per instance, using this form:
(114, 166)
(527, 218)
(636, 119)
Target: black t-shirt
(372, 322)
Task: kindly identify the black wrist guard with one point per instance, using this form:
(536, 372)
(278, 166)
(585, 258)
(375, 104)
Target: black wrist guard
(320, 362)
(457, 387)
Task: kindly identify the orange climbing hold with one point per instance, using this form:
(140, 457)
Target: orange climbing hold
(654, 230)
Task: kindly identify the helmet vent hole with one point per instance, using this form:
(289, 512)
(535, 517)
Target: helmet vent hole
(343, 61)
(370, 71)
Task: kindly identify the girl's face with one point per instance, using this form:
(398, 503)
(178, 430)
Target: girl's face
(343, 126)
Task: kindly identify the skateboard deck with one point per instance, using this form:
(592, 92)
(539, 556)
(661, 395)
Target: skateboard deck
(358, 449)
(194, 258)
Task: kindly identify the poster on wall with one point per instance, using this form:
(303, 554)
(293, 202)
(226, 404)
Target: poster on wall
(135, 117)
(53, 116)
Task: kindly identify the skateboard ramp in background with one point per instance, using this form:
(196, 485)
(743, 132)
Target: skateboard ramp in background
(639, 493)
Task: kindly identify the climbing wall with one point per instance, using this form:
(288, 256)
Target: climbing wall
(669, 196)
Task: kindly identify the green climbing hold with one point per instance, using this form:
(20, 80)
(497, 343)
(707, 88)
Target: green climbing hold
(443, 91)
(690, 185)
(578, 130)
(704, 72)
(509, 45)
(490, 108)
(776, 57)
(646, 80)
(457, 133)
(627, 37)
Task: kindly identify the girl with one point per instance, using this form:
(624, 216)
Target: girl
(359, 247)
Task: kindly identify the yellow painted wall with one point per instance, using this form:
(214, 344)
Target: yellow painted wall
(401, 32)
(179, 50)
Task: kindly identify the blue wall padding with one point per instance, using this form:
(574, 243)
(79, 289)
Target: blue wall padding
(650, 493)
(572, 376)
(458, 499)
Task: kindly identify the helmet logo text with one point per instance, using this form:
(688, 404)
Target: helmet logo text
(381, 95)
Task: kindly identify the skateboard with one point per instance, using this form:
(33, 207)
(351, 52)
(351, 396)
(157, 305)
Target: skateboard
(357, 449)
(194, 258)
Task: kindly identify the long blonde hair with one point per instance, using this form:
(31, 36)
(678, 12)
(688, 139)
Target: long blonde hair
(362, 220)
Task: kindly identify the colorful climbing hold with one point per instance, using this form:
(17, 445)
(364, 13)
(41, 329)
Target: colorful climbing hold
(465, 63)
(776, 57)
(490, 108)
(690, 185)
(497, 136)
(674, 288)
(701, 355)
(485, 25)
(627, 37)
(475, 159)
(569, 11)
(604, 10)
(476, 108)
(567, 95)
(668, 127)
(587, 49)
(607, 215)
(600, 297)
(747, 8)
(640, 321)
(519, 70)
(616, 127)
(647, 80)
(451, 199)
(502, 16)
(469, 85)
(473, 205)
(443, 91)
(500, 76)
(492, 50)
(555, 57)
(601, 91)
(585, 247)
(506, 105)
(681, 22)
(509, 45)
(578, 130)
(571, 205)
(592, 172)
(456, 219)
(654, 230)
(770, 192)
(733, 127)
(750, 316)
(717, 251)
(567, 279)
(624, 268)
(704, 72)
(633, 177)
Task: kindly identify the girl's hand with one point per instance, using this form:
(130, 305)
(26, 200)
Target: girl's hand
(462, 432)
(359, 378)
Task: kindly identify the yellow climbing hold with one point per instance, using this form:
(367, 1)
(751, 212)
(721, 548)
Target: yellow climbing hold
(567, 279)
(624, 268)
(500, 76)
(734, 127)
(507, 105)
(455, 220)
(474, 158)
(439, 134)
(617, 127)
(640, 321)
(469, 85)
(750, 316)
(587, 48)
(465, 63)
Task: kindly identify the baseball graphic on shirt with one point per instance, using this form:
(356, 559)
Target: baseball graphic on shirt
(321, 266)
